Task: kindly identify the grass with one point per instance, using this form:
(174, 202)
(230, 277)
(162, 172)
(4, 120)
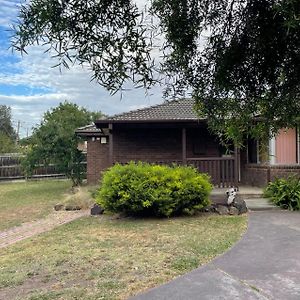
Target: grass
(27, 201)
(106, 258)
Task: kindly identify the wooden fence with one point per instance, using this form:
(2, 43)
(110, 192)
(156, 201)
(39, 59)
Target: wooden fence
(222, 170)
(11, 169)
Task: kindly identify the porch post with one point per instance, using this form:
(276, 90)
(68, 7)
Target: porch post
(236, 166)
(183, 146)
(272, 151)
(110, 145)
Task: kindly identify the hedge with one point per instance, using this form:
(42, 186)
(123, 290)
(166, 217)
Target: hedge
(155, 190)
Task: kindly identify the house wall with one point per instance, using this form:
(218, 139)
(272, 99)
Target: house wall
(151, 145)
(97, 160)
(286, 146)
(282, 165)
(162, 145)
(260, 175)
(200, 143)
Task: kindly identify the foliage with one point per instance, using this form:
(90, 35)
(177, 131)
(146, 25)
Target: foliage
(7, 133)
(153, 189)
(233, 77)
(7, 145)
(55, 141)
(285, 192)
(108, 35)
(239, 59)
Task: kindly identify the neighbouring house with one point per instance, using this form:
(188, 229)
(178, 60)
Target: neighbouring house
(173, 133)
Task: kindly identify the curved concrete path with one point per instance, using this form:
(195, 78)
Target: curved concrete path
(264, 264)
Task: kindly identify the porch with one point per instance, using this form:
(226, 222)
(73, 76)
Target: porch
(180, 143)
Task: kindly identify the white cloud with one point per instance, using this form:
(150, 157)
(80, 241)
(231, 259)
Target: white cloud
(8, 12)
(35, 71)
(73, 85)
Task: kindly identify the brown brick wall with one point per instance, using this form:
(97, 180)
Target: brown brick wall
(260, 175)
(97, 160)
(284, 171)
(151, 145)
(200, 143)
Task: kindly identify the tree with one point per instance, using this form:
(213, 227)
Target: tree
(7, 133)
(55, 141)
(7, 145)
(247, 67)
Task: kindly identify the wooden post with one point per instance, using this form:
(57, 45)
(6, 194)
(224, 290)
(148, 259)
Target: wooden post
(183, 146)
(236, 166)
(110, 145)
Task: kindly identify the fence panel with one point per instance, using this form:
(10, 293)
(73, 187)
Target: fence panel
(10, 169)
(220, 169)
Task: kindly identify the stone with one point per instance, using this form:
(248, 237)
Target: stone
(233, 211)
(58, 207)
(221, 209)
(210, 208)
(72, 207)
(240, 204)
(96, 210)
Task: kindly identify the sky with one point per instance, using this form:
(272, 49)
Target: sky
(30, 86)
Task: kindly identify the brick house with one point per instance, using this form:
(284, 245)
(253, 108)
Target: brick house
(173, 133)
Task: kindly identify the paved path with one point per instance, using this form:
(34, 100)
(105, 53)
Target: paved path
(265, 264)
(30, 229)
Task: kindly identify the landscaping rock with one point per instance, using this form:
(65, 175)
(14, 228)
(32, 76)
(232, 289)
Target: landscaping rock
(240, 204)
(221, 209)
(58, 207)
(96, 210)
(233, 211)
(210, 208)
(72, 207)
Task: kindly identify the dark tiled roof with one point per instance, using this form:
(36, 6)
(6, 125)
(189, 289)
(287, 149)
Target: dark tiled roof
(90, 130)
(170, 110)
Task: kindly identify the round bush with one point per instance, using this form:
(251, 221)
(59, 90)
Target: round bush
(146, 189)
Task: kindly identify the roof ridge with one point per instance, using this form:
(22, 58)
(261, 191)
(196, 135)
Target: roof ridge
(166, 102)
(86, 126)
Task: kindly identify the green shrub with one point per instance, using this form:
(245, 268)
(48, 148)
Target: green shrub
(145, 189)
(285, 192)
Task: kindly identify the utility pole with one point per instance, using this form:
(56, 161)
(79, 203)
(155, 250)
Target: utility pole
(18, 132)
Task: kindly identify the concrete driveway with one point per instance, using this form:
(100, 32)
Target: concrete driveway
(265, 264)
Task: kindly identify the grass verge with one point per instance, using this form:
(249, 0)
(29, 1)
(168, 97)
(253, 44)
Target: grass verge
(27, 201)
(105, 258)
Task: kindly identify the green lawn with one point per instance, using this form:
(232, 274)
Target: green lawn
(26, 201)
(106, 258)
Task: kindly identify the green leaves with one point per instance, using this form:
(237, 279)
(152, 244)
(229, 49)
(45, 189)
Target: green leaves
(285, 192)
(108, 36)
(238, 59)
(145, 189)
(247, 68)
(54, 141)
(7, 133)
